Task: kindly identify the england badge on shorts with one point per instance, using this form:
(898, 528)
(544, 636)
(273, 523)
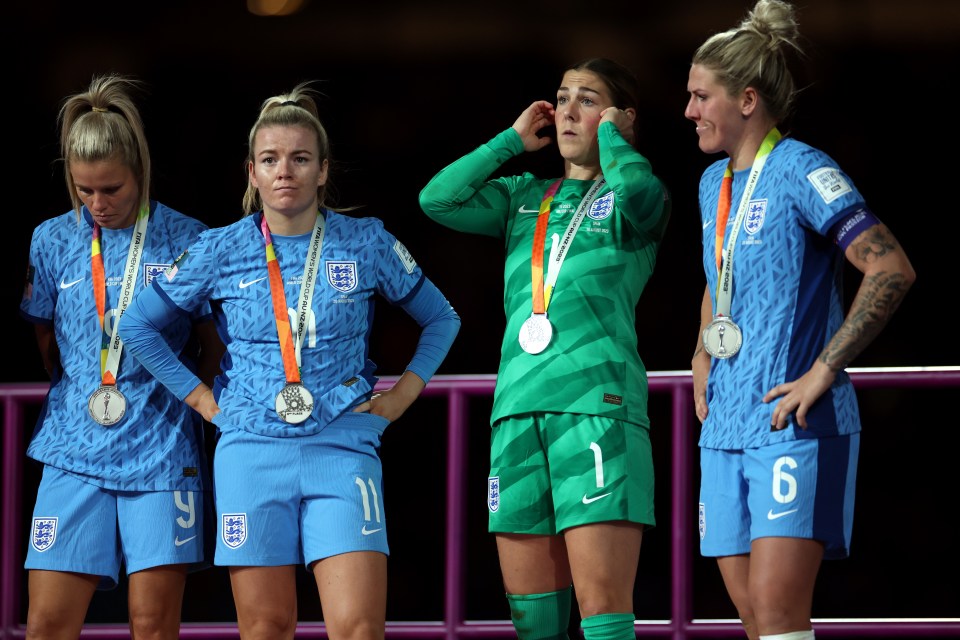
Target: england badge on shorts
(342, 276)
(493, 494)
(234, 529)
(44, 533)
(702, 520)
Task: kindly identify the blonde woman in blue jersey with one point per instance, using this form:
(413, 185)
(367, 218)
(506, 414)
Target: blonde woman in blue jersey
(297, 471)
(570, 489)
(781, 429)
(125, 480)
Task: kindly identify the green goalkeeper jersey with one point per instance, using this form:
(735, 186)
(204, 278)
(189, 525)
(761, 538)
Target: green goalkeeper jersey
(591, 365)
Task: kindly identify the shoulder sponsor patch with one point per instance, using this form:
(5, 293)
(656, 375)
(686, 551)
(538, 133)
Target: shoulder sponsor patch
(408, 262)
(829, 183)
(342, 275)
(601, 207)
(172, 271)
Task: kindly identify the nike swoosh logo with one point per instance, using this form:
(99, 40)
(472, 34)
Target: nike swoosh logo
(587, 500)
(367, 532)
(179, 543)
(773, 516)
(244, 285)
(707, 223)
(523, 209)
(67, 285)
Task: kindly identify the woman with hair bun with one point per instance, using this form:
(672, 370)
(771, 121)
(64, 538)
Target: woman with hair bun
(780, 438)
(297, 470)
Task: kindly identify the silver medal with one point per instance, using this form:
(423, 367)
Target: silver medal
(107, 405)
(294, 403)
(535, 333)
(722, 338)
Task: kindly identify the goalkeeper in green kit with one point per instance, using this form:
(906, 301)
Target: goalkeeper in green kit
(570, 490)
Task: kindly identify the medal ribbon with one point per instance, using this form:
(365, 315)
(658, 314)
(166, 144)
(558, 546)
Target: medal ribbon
(723, 213)
(558, 250)
(111, 346)
(290, 348)
(539, 240)
(725, 262)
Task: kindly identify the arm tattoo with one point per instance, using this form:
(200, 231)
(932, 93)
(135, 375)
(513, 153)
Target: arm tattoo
(876, 301)
(876, 244)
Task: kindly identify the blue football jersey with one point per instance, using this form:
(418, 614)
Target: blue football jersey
(228, 267)
(157, 445)
(787, 294)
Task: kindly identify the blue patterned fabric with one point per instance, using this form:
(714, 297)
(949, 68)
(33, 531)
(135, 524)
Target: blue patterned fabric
(787, 294)
(158, 444)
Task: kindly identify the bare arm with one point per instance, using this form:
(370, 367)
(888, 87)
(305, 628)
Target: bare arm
(208, 366)
(700, 364)
(392, 402)
(887, 276)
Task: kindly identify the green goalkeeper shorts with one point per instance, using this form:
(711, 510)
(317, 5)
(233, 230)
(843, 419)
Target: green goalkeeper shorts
(553, 471)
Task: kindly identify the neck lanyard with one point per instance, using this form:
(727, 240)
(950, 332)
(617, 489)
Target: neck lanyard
(725, 260)
(290, 344)
(111, 346)
(559, 248)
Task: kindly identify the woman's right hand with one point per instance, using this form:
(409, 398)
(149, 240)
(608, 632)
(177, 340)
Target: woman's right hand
(202, 401)
(534, 118)
(700, 367)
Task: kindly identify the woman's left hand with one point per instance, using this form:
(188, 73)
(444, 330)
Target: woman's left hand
(798, 396)
(393, 402)
(623, 118)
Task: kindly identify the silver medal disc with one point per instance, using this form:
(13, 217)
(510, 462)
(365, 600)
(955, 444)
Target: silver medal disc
(294, 403)
(107, 405)
(535, 333)
(722, 338)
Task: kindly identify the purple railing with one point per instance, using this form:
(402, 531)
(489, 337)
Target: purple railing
(458, 389)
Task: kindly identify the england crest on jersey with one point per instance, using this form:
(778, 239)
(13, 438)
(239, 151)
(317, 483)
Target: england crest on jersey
(493, 494)
(234, 529)
(756, 213)
(342, 276)
(601, 207)
(44, 533)
(152, 270)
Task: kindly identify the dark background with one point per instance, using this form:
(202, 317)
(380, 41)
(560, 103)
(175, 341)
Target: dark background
(412, 86)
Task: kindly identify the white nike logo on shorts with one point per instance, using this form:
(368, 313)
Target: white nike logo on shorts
(367, 532)
(177, 542)
(773, 516)
(67, 285)
(707, 223)
(244, 285)
(587, 500)
(523, 209)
